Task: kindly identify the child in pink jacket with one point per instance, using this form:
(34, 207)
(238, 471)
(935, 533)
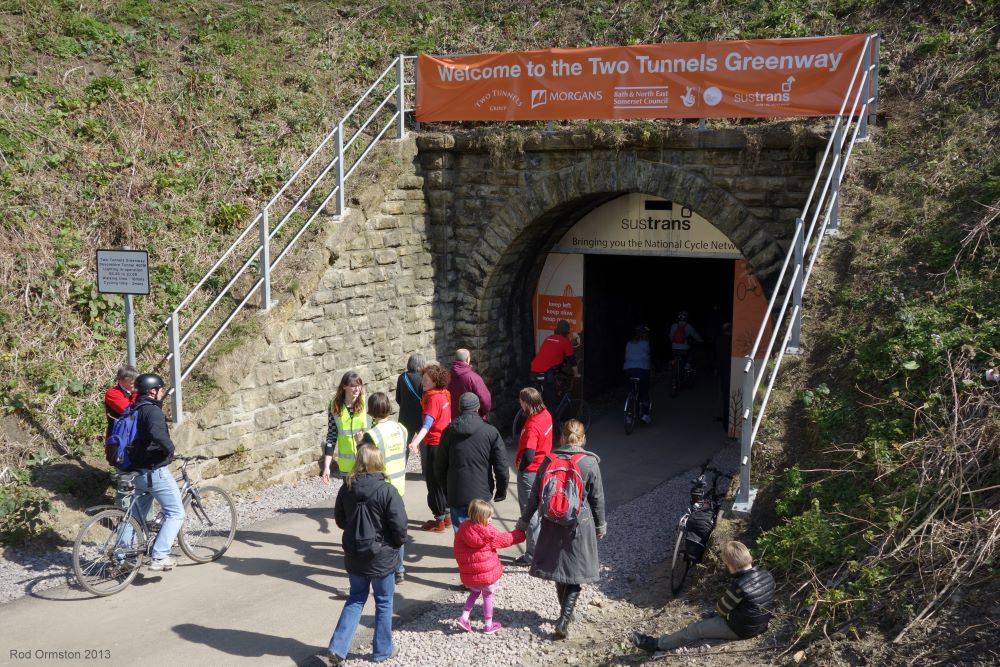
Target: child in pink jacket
(476, 544)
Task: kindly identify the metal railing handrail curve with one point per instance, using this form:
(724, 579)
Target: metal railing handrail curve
(373, 128)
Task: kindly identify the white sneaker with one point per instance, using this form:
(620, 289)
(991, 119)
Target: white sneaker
(646, 419)
(162, 564)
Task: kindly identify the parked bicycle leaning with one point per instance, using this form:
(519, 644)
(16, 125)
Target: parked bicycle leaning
(696, 524)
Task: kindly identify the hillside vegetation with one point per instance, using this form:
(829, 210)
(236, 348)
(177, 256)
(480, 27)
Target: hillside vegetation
(165, 126)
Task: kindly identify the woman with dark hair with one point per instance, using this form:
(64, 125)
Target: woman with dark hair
(532, 447)
(373, 518)
(346, 424)
(409, 391)
(567, 554)
(436, 406)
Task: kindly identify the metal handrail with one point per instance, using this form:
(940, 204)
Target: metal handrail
(260, 253)
(821, 209)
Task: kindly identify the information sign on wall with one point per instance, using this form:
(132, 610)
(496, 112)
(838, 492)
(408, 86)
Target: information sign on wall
(123, 271)
(742, 78)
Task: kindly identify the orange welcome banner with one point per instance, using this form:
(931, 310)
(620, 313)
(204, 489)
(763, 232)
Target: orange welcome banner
(747, 78)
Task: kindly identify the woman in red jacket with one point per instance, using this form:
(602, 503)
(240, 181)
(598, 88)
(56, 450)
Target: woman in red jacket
(436, 406)
(476, 544)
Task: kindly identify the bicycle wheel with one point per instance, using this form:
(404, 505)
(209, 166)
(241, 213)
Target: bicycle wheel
(108, 552)
(631, 413)
(578, 409)
(518, 426)
(680, 565)
(209, 524)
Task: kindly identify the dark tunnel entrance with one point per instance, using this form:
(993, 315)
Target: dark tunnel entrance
(623, 291)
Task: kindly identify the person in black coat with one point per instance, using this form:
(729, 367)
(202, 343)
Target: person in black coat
(471, 459)
(370, 511)
(409, 390)
(743, 611)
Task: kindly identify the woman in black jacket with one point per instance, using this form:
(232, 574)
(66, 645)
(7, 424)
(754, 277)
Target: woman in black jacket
(372, 515)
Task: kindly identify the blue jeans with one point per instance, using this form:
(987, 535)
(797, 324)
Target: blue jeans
(383, 589)
(525, 481)
(402, 568)
(165, 490)
(458, 515)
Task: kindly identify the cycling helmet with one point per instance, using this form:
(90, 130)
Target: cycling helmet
(147, 381)
(682, 316)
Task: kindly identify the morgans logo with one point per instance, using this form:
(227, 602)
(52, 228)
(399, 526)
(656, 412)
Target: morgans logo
(542, 97)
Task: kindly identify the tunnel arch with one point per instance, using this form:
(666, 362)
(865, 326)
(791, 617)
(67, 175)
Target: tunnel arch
(496, 277)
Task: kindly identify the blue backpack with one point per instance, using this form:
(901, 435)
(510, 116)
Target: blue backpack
(116, 447)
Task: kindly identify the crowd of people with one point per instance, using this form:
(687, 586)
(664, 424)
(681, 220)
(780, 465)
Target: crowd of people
(443, 418)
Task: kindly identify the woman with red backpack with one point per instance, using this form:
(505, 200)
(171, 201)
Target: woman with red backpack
(569, 497)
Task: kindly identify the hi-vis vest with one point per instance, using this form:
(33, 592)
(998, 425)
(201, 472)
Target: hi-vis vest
(347, 426)
(390, 437)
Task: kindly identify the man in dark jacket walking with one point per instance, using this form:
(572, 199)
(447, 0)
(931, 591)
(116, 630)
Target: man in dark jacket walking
(464, 379)
(151, 452)
(742, 612)
(471, 459)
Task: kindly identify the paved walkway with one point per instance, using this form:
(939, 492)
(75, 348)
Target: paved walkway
(273, 599)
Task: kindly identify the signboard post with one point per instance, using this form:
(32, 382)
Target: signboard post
(124, 272)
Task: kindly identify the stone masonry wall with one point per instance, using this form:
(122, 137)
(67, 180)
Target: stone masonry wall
(368, 310)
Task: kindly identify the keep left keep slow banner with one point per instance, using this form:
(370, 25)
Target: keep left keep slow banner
(747, 78)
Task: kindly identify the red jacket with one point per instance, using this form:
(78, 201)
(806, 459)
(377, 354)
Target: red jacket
(436, 404)
(116, 400)
(476, 552)
(536, 435)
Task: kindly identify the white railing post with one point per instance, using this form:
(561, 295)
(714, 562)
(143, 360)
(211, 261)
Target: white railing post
(745, 495)
(837, 166)
(340, 169)
(265, 261)
(798, 285)
(177, 402)
(873, 108)
(865, 83)
(401, 96)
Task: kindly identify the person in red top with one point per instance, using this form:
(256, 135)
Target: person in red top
(554, 351)
(532, 447)
(120, 396)
(476, 544)
(436, 406)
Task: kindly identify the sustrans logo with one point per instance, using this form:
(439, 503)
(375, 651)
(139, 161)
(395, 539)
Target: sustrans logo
(768, 99)
(539, 98)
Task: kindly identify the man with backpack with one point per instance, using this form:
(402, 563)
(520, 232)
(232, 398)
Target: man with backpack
(681, 334)
(149, 455)
(120, 396)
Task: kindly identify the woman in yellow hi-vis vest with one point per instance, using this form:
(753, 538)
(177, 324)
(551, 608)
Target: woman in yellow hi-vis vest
(346, 425)
(390, 437)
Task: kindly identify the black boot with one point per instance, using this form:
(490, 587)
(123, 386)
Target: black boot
(560, 594)
(566, 617)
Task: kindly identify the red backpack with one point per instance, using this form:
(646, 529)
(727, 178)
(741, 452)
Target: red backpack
(562, 490)
(680, 333)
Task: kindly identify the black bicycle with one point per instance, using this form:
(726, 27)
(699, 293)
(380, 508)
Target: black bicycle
(114, 543)
(681, 371)
(633, 407)
(568, 408)
(696, 525)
